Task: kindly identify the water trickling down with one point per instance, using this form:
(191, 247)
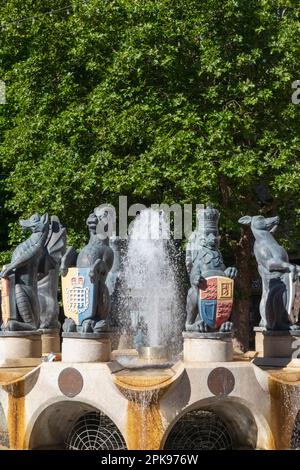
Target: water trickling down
(143, 390)
(144, 421)
(153, 305)
(284, 387)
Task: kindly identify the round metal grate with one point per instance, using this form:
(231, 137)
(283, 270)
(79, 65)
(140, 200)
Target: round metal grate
(199, 430)
(95, 431)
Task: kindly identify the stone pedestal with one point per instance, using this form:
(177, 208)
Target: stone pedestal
(50, 341)
(20, 348)
(207, 347)
(86, 347)
(284, 344)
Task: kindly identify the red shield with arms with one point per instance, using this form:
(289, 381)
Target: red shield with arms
(215, 300)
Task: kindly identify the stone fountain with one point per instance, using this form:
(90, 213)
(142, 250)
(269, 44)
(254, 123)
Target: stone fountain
(152, 396)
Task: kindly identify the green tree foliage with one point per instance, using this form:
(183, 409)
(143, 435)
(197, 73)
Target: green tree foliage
(164, 101)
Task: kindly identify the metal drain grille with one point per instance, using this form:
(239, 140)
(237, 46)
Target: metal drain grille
(199, 430)
(95, 431)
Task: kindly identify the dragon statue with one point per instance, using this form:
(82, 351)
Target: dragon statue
(23, 271)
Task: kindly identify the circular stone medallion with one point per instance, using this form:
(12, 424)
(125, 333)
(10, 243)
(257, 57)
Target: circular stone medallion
(221, 381)
(70, 382)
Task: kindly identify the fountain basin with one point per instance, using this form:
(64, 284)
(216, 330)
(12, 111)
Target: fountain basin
(143, 379)
(143, 386)
(146, 378)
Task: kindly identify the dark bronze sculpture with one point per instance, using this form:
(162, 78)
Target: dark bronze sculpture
(24, 269)
(87, 300)
(209, 300)
(277, 273)
(48, 274)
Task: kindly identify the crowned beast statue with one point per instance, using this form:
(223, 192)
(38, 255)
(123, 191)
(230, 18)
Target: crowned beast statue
(19, 279)
(279, 304)
(210, 298)
(85, 294)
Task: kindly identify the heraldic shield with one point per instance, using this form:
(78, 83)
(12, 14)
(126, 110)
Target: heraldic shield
(78, 294)
(8, 300)
(215, 300)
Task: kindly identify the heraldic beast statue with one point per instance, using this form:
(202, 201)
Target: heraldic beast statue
(280, 278)
(210, 298)
(85, 294)
(19, 284)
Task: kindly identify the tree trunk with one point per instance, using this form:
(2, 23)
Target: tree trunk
(241, 309)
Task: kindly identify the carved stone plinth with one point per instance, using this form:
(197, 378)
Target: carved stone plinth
(20, 348)
(50, 341)
(207, 347)
(86, 347)
(285, 344)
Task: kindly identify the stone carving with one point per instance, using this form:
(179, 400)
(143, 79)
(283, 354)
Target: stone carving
(48, 274)
(277, 273)
(210, 298)
(85, 294)
(21, 275)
